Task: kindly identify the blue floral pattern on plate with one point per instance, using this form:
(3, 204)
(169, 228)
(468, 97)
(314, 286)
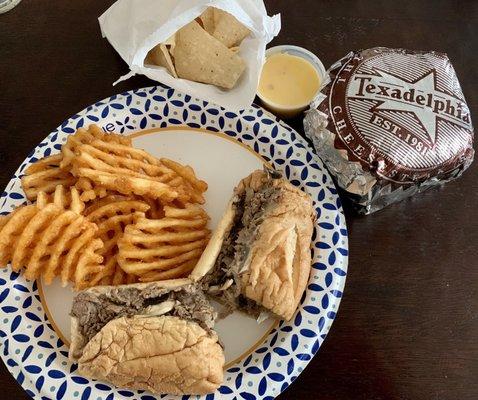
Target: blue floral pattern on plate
(38, 359)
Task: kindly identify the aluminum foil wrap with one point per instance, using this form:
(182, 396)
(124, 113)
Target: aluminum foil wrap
(390, 123)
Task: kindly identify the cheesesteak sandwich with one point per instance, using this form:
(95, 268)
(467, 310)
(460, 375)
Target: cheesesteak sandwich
(154, 336)
(258, 259)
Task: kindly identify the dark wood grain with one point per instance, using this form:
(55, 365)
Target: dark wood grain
(408, 323)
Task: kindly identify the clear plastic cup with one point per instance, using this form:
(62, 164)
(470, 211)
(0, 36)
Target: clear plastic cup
(292, 111)
(7, 5)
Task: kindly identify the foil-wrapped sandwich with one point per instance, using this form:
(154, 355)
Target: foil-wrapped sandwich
(391, 123)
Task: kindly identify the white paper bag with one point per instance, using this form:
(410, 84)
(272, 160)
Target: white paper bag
(133, 27)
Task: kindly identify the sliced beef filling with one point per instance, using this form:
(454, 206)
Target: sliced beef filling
(223, 282)
(95, 311)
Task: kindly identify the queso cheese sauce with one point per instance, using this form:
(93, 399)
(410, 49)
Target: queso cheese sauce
(288, 80)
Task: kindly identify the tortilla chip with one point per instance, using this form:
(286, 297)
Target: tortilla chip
(228, 29)
(200, 57)
(170, 42)
(235, 49)
(149, 59)
(207, 20)
(159, 55)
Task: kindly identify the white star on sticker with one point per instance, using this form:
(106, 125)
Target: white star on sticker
(424, 85)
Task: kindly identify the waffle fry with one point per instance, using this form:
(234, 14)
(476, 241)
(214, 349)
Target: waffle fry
(46, 245)
(65, 199)
(156, 209)
(114, 157)
(88, 264)
(181, 270)
(196, 186)
(29, 235)
(106, 164)
(130, 185)
(111, 215)
(4, 219)
(44, 176)
(83, 136)
(12, 229)
(71, 260)
(165, 248)
(89, 191)
(108, 199)
(50, 241)
(56, 263)
(106, 214)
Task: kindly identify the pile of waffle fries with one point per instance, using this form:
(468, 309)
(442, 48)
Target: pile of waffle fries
(106, 213)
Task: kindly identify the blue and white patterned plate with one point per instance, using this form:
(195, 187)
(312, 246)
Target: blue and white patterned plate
(32, 348)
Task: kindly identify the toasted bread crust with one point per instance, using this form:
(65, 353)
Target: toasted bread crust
(210, 253)
(160, 354)
(279, 261)
(78, 341)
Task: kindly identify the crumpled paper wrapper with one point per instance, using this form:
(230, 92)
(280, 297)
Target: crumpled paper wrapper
(133, 27)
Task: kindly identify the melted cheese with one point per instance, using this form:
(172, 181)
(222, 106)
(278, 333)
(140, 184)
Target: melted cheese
(288, 80)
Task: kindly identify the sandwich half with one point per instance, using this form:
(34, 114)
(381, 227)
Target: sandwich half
(153, 336)
(259, 258)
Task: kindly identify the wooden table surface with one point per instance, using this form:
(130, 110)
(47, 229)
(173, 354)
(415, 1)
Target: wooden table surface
(408, 323)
